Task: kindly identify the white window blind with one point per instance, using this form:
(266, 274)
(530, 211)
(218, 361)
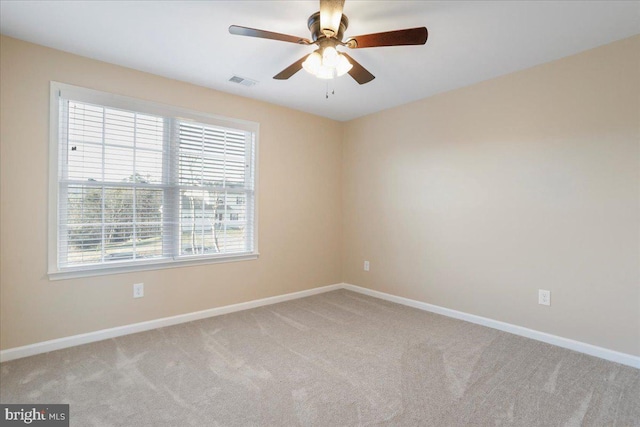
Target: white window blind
(140, 184)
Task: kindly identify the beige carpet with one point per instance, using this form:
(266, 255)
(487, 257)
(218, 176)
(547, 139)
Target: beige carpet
(338, 358)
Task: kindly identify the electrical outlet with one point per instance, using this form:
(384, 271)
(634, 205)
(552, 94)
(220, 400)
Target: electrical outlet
(138, 290)
(544, 297)
(366, 266)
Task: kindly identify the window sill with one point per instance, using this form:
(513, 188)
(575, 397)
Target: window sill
(103, 270)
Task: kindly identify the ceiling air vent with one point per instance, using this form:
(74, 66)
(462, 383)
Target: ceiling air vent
(242, 81)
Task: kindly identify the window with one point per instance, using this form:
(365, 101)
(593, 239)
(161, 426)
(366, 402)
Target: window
(136, 185)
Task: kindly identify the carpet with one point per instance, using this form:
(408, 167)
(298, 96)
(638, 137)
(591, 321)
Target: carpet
(333, 359)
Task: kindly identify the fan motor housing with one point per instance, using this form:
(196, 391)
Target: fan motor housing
(316, 32)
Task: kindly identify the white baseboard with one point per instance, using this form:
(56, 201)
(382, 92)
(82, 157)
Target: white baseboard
(57, 344)
(581, 347)
(66, 342)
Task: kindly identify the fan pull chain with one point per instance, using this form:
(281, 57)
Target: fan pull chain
(333, 91)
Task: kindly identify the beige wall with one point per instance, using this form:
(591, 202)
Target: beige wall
(299, 203)
(472, 200)
(476, 198)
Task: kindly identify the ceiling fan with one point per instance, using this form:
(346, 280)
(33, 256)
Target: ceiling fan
(327, 32)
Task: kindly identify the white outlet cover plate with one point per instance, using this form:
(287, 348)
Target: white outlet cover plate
(544, 297)
(138, 290)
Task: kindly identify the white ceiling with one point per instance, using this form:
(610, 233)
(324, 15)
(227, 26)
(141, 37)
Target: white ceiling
(189, 40)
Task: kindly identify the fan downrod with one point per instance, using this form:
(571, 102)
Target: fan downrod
(316, 32)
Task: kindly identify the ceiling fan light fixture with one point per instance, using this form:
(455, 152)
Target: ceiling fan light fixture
(330, 56)
(327, 65)
(326, 73)
(313, 63)
(343, 65)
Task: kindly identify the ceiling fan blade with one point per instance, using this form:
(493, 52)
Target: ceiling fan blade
(411, 36)
(291, 69)
(330, 16)
(252, 32)
(358, 72)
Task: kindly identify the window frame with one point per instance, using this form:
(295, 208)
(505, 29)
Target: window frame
(147, 107)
